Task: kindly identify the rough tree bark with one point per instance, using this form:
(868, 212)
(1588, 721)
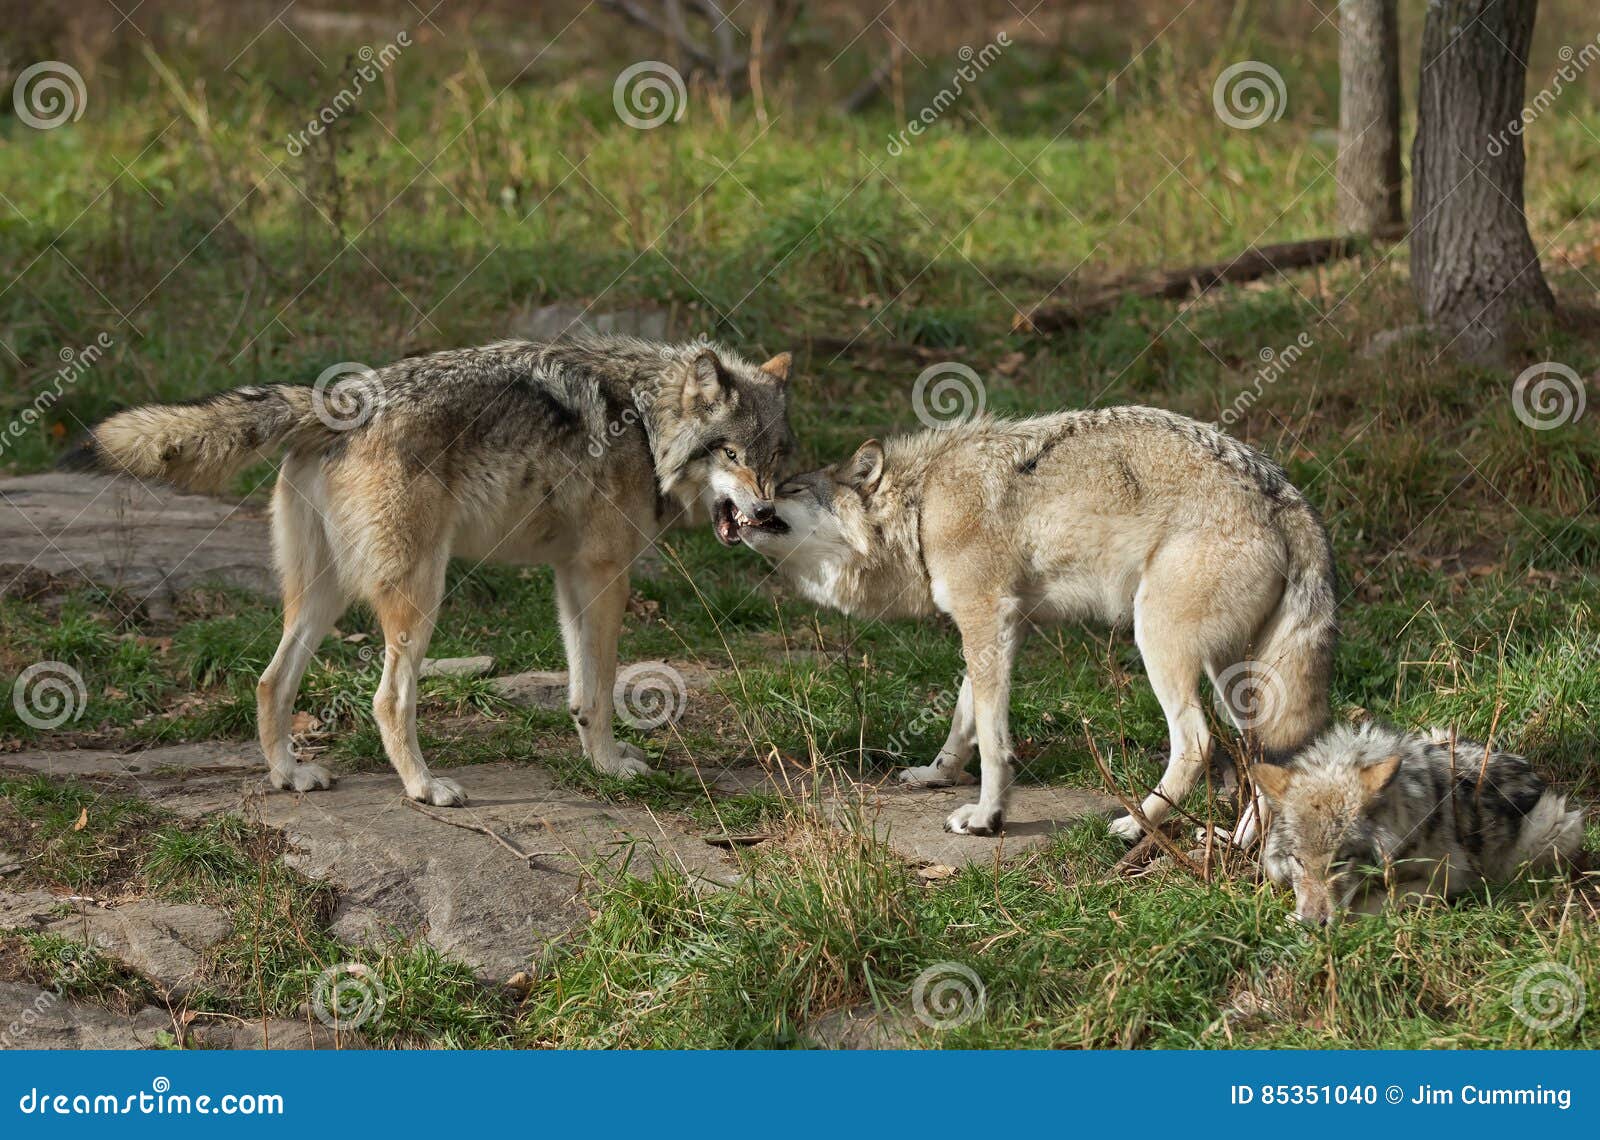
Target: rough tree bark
(1369, 117)
(1472, 261)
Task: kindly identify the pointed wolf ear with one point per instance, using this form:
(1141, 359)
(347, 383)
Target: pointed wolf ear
(707, 383)
(1271, 779)
(865, 469)
(1376, 777)
(778, 368)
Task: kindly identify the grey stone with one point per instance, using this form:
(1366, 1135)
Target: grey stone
(547, 689)
(537, 689)
(148, 542)
(164, 942)
(456, 667)
(35, 1018)
(275, 1033)
(405, 872)
(911, 820)
(862, 1027)
(173, 759)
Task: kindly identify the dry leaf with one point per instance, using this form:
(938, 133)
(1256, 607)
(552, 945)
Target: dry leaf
(83, 820)
(935, 872)
(304, 722)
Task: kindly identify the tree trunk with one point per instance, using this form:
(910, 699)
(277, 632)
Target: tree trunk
(1472, 261)
(1369, 117)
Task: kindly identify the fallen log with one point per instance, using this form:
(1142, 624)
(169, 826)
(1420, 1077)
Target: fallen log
(1191, 281)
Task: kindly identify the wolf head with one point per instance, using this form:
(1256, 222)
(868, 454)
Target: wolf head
(1321, 841)
(721, 433)
(821, 518)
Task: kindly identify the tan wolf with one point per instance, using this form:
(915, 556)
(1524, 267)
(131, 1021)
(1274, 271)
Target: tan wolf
(1122, 515)
(572, 453)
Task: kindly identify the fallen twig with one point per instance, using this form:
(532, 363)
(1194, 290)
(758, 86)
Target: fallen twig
(1176, 284)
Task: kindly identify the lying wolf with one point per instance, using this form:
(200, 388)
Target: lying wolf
(577, 454)
(1368, 812)
(1120, 514)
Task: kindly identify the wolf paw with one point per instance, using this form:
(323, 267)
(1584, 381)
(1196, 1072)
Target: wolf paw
(933, 776)
(629, 761)
(440, 793)
(1126, 827)
(302, 778)
(975, 819)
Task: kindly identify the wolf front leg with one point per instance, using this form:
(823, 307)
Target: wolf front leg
(592, 597)
(989, 633)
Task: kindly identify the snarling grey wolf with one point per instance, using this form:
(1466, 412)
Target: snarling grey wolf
(573, 453)
(1119, 514)
(1365, 814)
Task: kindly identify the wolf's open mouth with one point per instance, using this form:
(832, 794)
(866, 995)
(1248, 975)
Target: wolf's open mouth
(729, 520)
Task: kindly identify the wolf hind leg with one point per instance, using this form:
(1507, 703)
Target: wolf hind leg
(313, 599)
(949, 766)
(1172, 645)
(592, 597)
(406, 611)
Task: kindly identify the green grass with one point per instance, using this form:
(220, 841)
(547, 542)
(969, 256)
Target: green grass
(1466, 542)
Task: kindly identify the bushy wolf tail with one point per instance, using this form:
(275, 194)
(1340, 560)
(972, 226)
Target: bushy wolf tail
(200, 445)
(1294, 646)
(1551, 833)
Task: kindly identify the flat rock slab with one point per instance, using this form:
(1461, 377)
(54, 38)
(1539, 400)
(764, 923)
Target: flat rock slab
(644, 688)
(403, 872)
(164, 942)
(34, 1018)
(911, 820)
(177, 759)
(149, 542)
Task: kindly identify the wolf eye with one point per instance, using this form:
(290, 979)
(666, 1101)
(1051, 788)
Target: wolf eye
(733, 456)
